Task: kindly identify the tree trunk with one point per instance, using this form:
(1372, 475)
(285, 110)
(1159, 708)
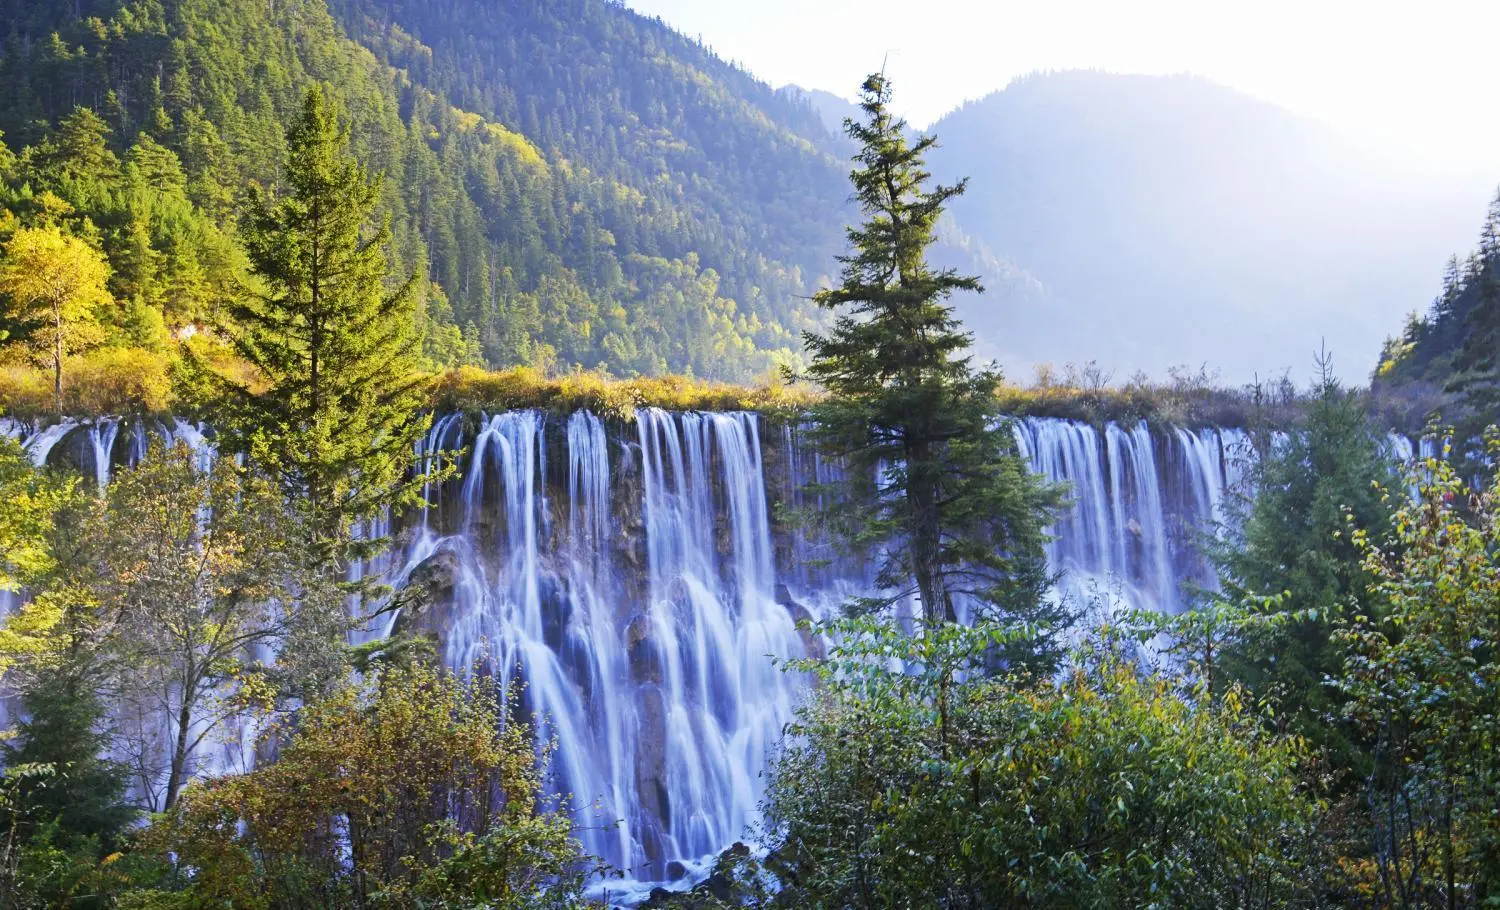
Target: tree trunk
(926, 537)
(57, 355)
(179, 751)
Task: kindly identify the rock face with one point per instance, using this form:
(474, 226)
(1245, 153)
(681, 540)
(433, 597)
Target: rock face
(429, 595)
(651, 773)
(645, 659)
(725, 886)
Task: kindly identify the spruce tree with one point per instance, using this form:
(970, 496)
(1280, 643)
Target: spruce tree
(334, 342)
(1476, 365)
(1289, 558)
(84, 794)
(936, 487)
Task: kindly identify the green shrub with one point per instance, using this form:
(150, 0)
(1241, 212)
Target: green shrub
(939, 788)
(473, 389)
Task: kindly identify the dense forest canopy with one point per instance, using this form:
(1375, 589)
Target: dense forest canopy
(549, 223)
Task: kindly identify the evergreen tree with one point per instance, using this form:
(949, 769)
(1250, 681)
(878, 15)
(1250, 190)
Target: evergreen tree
(157, 166)
(7, 159)
(936, 485)
(84, 796)
(1289, 556)
(80, 151)
(341, 409)
(1476, 366)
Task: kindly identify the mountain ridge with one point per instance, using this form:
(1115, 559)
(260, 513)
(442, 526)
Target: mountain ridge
(582, 186)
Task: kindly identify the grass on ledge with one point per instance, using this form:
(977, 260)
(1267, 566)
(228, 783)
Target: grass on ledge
(472, 389)
(132, 381)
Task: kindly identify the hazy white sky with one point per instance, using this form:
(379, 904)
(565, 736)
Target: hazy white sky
(1423, 74)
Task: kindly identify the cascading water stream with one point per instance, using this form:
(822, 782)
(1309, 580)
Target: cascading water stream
(635, 582)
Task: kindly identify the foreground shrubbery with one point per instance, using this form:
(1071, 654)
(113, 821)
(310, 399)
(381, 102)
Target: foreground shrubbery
(1104, 788)
(410, 790)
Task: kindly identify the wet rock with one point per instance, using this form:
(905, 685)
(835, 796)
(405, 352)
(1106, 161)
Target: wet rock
(811, 644)
(645, 661)
(428, 597)
(720, 888)
(651, 755)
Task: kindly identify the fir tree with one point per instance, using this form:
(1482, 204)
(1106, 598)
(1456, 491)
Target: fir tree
(335, 346)
(937, 487)
(1476, 366)
(84, 795)
(1289, 557)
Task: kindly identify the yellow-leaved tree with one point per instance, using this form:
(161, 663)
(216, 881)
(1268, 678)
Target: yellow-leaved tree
(54, 285)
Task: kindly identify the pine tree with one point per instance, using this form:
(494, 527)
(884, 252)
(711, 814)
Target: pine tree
(936, 484)
(1288, 556)
(335, 347)
(1476, 366)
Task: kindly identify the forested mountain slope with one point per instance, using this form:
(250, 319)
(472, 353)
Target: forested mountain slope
(1447, 359)
(1173, 221)
(595, 190)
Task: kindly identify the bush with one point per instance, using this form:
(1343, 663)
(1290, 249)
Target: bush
(408, 791)
(940, 788)
(473, 389)
(25, 391)
(118, 381)
(109, 381)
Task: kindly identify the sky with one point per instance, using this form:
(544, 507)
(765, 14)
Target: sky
(1419, 76)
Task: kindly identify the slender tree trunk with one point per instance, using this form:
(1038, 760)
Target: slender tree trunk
(179, 751)
(57, 355)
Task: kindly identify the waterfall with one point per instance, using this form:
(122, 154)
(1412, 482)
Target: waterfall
(1140, 503)
(632, 577)
(711, 696)
(631, 585)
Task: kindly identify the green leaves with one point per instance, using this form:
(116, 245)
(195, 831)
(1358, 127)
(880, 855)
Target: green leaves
(1422, 675)
(1102, 788)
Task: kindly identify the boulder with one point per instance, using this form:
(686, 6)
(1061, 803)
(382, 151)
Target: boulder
(427, 599)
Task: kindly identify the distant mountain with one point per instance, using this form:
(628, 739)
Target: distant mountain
(833, 109)
(581, 185)
(1169, 220)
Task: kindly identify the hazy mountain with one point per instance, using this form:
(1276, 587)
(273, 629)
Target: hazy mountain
(1170, 220)
(584, 185)
(833, 109)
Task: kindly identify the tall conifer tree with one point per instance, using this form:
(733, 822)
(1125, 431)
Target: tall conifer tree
(334, 343)
(1476, 364)
(936, 485)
